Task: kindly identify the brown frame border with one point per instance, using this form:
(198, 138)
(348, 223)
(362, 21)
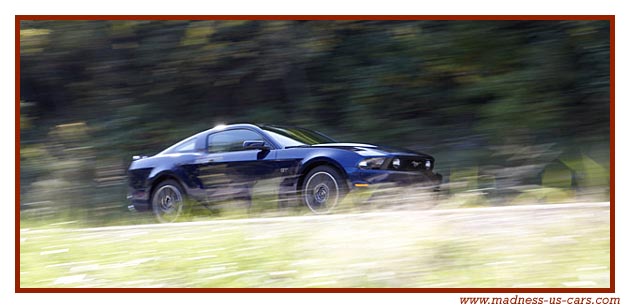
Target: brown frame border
(610, 18)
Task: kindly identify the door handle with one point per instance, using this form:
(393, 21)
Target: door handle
(204, 160)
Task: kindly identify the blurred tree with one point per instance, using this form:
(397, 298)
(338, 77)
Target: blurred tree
(475, 93)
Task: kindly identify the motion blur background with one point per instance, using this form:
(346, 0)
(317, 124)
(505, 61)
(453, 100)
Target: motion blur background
(515, 112)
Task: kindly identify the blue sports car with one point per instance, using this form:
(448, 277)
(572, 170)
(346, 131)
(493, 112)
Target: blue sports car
(226, 161)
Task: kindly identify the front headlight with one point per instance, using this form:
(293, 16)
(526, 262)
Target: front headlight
(427, 164)
(372, 163)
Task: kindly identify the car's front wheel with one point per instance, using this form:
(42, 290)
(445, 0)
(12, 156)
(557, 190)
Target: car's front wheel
(323, 189)
(168, 201)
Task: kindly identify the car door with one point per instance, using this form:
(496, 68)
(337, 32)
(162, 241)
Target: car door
(228, 169)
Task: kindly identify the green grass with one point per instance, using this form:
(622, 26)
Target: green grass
(545, 248)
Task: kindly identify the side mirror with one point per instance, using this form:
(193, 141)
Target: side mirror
(255, 145)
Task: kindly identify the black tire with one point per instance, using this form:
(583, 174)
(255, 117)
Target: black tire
(168, 201)
(323, 189)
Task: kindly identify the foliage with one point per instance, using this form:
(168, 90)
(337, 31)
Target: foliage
(505, 98)
(516, 247)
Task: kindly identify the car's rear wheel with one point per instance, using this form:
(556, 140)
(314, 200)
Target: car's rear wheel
(168, 201)
(323, 190)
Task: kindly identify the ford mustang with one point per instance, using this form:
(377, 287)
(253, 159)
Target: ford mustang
(225, 162)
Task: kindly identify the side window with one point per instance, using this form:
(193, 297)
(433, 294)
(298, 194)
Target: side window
(231, 140)
(188, 146)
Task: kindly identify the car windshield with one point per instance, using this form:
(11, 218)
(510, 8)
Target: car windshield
(294, 136)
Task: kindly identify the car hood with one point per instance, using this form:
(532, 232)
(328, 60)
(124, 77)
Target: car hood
(371, 149)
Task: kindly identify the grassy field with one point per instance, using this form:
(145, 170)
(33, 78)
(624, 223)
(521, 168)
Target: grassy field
(515, 246)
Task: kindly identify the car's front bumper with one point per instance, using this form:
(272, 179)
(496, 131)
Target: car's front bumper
(365, 178)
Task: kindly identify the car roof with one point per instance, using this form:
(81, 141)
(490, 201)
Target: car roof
(221, 127)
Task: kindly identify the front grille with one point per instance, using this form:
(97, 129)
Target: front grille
(411, 164)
